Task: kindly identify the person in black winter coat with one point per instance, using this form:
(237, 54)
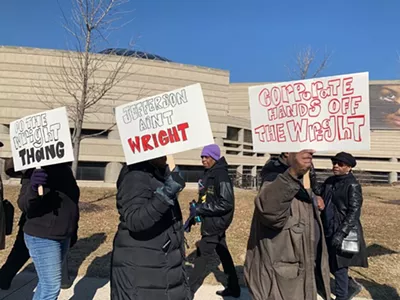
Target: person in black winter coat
(216, 209)
(148, 251)
(51, 221)
(343, 199)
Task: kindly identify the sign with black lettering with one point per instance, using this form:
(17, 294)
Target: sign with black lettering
(41, 139)
(168, 123)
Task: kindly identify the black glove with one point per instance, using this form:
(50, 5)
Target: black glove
(171, 187)
(337, 239)
(178, 178)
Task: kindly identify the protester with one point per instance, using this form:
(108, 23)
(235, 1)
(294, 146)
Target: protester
(2, 214)
(51, 221)
(343, 199)
(285, 254)
(19, 254)
(216, 209)
(148, 252)
(273, 167)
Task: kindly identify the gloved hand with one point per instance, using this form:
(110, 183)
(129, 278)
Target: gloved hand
(337, 239)
(39, 177)
(177, 177)
(189, 223)
(192, 209)
(172, 186)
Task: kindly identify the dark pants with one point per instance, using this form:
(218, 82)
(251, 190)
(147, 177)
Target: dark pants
(206, 248)
(341, 275)
(17, 258)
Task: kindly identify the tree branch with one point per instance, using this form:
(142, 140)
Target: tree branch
(86, 136)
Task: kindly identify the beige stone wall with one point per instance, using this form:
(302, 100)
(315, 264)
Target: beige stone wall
(29, 76)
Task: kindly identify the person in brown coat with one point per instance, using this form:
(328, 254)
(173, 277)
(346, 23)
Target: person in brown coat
(286, 255)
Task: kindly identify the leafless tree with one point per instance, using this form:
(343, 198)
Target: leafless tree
(84, 81)
(308, 64)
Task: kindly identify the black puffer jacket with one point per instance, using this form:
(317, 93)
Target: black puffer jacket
(148, 254)
(272, 169)
(55, 215)
(345, 194)
(216, 200)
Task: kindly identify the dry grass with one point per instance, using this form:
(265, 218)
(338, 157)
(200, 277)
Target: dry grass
(99, 220)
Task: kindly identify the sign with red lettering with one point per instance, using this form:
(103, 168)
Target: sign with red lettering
(324, 114)
(165, 124)
(41, 139)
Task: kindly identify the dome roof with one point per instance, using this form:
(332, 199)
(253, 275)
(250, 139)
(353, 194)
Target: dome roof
(133, 53)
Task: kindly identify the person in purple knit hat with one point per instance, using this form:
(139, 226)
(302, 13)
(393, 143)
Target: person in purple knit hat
(215, 209)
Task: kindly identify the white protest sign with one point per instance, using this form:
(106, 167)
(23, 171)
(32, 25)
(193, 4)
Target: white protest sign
(165, 124)
(324, 114)
(41, 139)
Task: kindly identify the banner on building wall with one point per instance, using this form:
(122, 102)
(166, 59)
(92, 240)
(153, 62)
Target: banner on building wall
(165, 124)
(385, 105)
(41, 139)
(324, 114)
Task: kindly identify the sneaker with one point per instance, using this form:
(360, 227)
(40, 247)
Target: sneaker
(229, 293)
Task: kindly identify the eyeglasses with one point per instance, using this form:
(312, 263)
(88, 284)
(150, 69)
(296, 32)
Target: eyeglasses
(339, 163)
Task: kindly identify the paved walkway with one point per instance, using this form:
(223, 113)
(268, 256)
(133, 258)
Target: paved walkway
(85, 288)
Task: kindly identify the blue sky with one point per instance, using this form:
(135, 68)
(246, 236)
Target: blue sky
(252, 39)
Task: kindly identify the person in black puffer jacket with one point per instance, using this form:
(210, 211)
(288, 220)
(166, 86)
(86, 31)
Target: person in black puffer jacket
(215, 208)
(148, 251)
(343, 199)
(51, 221)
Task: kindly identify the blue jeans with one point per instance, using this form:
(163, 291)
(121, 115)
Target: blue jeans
(48, 256)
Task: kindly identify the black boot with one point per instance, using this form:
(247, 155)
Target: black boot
(354, 288)
(5, 281)
(229, 293)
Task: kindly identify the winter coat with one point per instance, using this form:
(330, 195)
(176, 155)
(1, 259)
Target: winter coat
(148, 252)
(272, 169)
(343, 199)
(216, 200)
(281, 254)
(54, 215)
(2, 219)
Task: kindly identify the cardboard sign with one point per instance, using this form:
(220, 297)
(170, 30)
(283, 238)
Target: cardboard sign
(324, 114)
(165, 124)
(41, 139)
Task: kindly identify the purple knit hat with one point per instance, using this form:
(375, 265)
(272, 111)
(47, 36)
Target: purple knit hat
(212, 151)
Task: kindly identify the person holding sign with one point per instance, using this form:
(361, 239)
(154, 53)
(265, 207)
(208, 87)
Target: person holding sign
(216, 208)
(343, 199)
(283, 257)
(148, 252)
(51, 221)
